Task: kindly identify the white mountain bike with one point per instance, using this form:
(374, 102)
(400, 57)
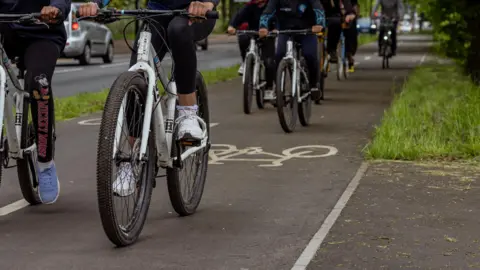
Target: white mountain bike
(134, 109)
(14, 121)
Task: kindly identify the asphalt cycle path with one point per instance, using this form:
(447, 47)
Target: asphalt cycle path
(70, 78)
(267, 192)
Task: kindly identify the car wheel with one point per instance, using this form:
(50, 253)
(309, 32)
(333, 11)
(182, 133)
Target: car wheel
(108, 57)
(205, 45)
(86, 57)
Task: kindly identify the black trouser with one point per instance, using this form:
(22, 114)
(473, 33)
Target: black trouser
(310, 52)
(334, 31)
(243, 43)
(267, 46)
(181, 39)
(351, 38)
(394, 36)
(39, 58)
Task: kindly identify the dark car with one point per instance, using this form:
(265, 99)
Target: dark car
(366, 25)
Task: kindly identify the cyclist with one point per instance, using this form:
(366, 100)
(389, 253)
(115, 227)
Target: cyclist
(181, 33)
(243, 42)
(333, 11)
(38, 49)
(351, 37)
(296, 15)
(392, 9)
(251, 14)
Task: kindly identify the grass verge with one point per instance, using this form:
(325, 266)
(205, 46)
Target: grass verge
(366, 38)
(436, 116)
(85, 103)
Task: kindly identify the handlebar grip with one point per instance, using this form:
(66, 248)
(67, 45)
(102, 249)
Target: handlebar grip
(211, 14)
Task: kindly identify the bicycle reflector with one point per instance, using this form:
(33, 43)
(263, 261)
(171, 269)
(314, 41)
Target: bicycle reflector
(75, 26)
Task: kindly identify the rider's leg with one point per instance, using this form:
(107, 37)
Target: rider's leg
(243, 42)
(310, 52)
(268, 57)
(333, 37)
(350, 40)
(381, 33)
(40, 59)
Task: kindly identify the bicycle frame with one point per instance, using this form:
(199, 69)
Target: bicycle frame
(253, 50)
(147, 60)
(291, 58)
(13, 123)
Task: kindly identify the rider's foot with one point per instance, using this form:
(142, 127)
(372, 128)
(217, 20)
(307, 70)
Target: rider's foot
(351, 67)
(188, 126)
(269, 94)
(125, 183)
(315, 93)
(48, 185)
(241, 68)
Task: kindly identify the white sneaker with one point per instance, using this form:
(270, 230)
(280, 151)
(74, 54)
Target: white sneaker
(269, 95)
(241, 69)
(188, 125)
(125, 184)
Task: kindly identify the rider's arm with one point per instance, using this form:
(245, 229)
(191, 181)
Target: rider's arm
(268, 13)
(319, 12)
(401, 9)
(63, 5)
(375, 7)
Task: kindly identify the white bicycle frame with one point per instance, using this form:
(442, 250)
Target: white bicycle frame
(253, 50)
(291, 57)
(147, 60)
(13, 124)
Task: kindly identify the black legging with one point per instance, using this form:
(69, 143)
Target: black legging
(243, 43)
(181, 39)
(39, 59)
(351, 38)
(334, 32)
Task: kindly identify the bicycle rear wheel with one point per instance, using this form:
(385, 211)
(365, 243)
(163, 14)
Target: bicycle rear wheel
(26, 167)
(287, 105)
(248, 84)
(185, 200)
(127, 92)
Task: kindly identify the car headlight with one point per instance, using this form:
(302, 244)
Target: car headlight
(358, 26)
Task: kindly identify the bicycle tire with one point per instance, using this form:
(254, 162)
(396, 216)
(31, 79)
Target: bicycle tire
(186, 207)
(26, 167)
(248, 84)
(259, 92)
(5, 150)
(288, 127)
(105, 196)
(305, 107)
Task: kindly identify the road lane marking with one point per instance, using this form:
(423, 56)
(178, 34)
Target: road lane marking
(317, 240)
(219, 153)
(114, 65)
(13, 207)
(368, 57)
(60, 71)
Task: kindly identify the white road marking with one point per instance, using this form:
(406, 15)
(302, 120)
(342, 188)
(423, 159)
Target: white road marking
(114, 65)
(368, 57)
(317, 240)
(423, 59)
(67, 70)
(13, 207)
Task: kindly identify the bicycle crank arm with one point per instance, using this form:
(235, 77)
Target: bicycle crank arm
(301, 98)
(189, 152)
(260, 85)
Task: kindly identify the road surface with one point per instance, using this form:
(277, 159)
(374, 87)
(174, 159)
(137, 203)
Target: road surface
(251, 216)
(70, 78)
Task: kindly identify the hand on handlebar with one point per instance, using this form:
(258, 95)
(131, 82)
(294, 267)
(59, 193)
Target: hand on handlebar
(349, 18)
(49, 14)
(317, 28)
(262, 32)
(231, 30)
(199, 9)
(88, 9)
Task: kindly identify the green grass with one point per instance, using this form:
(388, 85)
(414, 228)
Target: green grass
(85, 103)
(436, 116)
(366, 38)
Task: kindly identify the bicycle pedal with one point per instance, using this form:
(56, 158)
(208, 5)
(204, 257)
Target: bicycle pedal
(190, 142)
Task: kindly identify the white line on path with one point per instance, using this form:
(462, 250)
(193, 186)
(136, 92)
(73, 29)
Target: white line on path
(13, 207)
(317, 240)
(67, 70)
(10, 208)
(423, 59)
(114, 65)
(368, 57)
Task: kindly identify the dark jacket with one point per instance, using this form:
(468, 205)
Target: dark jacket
(56, 32)
(333, 7)
(293, 14)
(250, 14)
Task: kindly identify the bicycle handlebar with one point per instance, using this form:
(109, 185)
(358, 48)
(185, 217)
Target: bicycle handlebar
(293, 32)
(111, 14)
(29, 18)
(251, 33)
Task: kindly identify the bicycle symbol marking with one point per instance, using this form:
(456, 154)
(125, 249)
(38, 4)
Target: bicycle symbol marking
(219, 153)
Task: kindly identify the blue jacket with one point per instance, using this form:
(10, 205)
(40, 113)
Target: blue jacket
(293, 14)
(56, 32)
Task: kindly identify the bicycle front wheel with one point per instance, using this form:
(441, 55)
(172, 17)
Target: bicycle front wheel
(248, 84)
(287, 105)
(186, 182)
(305, 107)
(124, 183)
